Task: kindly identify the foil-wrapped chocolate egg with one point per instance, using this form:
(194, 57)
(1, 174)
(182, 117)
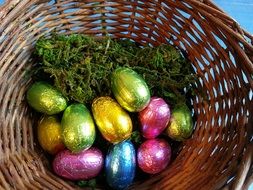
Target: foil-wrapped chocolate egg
(120, 165)
(49, 134)
(181, 124)
(154, 118)
(113, 122)
(44, 98)
(130, 89)
(154, 155)
(81, 166)
(78, 128)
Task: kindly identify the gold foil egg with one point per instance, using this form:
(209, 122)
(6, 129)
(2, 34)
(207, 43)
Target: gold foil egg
(49, 134)
(113, 122)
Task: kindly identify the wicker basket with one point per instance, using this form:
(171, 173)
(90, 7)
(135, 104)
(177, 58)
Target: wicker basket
(219, 154)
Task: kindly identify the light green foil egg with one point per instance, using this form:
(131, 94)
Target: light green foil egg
(44, 98)
(78, 129)
(181, 124)
(130, 89)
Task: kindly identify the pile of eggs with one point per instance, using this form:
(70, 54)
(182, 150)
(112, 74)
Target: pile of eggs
(70, 139)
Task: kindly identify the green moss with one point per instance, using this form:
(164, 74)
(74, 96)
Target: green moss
(89, 183)
(80, 66)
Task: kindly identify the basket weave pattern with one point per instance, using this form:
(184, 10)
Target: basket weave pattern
(219, 154)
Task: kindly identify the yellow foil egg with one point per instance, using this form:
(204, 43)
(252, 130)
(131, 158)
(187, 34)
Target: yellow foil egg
(49, 134)
(113, 122)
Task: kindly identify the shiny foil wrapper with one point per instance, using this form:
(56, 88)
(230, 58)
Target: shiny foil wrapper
(44, 98)
(120, 165)
(181, 124)
(154, 118)
(78, 128)
(113, 122)
(81, 166)
(154, 155)
(130, 89)
(49, 134)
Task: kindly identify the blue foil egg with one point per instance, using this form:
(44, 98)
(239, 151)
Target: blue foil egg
(120, 165)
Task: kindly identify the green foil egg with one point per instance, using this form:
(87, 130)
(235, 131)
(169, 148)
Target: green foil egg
(181, 124)
(130, 89)
(78, 129)
(44, 98)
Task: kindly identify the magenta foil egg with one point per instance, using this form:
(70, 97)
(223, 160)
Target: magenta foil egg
(154, 155)
(154, 118)
(78, 166)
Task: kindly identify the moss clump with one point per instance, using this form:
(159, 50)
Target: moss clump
(80, 66)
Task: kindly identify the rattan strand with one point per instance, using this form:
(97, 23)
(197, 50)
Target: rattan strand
(219, 154)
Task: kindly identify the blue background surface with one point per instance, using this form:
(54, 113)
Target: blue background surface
(240, 10)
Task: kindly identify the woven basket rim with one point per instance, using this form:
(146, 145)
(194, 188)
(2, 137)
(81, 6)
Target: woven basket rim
(243, 46)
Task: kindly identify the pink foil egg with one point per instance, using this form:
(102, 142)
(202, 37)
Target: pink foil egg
(81, 166)
(154, 118)
(154, 155)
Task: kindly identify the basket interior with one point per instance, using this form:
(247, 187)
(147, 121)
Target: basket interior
(223, 92)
